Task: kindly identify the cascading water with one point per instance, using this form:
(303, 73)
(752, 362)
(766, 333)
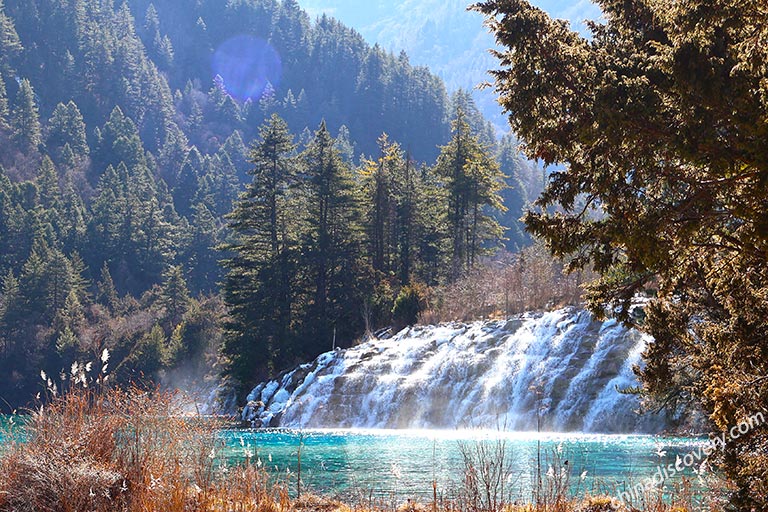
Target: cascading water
(558, 371)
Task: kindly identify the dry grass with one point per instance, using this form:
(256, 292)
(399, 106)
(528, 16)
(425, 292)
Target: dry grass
(125, 450)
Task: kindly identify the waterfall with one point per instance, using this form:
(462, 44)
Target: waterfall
(557, 371)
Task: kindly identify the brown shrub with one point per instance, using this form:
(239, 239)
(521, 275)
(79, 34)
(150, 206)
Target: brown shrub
(124, 450)
(508, 284)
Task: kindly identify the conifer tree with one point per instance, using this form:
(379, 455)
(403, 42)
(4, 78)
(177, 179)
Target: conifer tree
(174, 294)
(657, 122)
(10, 44)
(259, 287)
(4, 113)
(107, 293)
(473, 180)
(66, 127)
(48, 184)
(25, 120)
(332, 242)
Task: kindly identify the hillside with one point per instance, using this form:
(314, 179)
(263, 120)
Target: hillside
(442, 35)
(128, 135)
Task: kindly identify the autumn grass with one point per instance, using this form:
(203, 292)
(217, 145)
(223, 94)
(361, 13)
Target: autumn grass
(95, 449)
(124, 450)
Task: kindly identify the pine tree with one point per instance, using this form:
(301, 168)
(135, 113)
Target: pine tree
(48, 184)
(25, 121)
(4, 113)
(118, 141)
(204, 269)
(188, 182)
(513, 166)
(66, 127)
(658, 123)
(10, 44)
(379, 198)
(107, 293)
(174, 294)
(473, 181)
(11, 313)
(332, 243)
(259, 287)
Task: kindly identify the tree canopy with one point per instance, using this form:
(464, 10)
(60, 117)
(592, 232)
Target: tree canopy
(660, 119)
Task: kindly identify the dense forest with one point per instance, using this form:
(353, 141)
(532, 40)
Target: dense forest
(136, 148)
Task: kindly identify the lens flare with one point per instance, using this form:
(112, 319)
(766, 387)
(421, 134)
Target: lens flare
(246, 65)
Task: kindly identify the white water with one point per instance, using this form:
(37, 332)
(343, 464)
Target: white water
(492, 374)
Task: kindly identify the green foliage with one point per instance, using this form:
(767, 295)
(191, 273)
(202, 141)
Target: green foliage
(4, 112)
(66, 127)
(25, 120)
(473, 180)
(408, 304)
(660, 122)
(261, 283)
(120, 166)
(10, 45)
(174, 294)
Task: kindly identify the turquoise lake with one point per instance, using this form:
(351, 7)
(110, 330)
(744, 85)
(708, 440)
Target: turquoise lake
(402, 464)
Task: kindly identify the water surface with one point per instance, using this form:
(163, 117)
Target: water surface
(404, 463)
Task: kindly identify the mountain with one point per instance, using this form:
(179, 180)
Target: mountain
(442, 35)
(158, 62)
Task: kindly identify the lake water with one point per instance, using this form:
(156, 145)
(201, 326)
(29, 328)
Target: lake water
(399, 464)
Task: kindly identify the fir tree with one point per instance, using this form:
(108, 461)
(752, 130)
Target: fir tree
(25, 120)
(260, 285)
(473, 181)
(657, 120)
(332, 243)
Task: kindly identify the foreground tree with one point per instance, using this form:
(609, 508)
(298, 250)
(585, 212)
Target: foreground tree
(660, 120)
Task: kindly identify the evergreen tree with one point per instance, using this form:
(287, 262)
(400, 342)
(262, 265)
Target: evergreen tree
(25, 120)
(4, 113)
(188, 182)
(117, 142)
(10, 44)
(107, 293)
(48, 184)
(658, 121)
(203, 261)
(515, 195)
(174, 294)
(11, 314)
(259, 287)
(66, 127)
(473, 181)
(332, 244)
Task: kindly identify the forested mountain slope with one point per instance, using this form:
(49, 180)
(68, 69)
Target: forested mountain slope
(442, 35)
(126, 133)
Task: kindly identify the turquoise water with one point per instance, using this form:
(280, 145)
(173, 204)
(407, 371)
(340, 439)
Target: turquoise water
(395, 463)
(400, 464)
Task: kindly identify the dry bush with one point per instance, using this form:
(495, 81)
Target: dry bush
(506, 285)
(125, 450)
